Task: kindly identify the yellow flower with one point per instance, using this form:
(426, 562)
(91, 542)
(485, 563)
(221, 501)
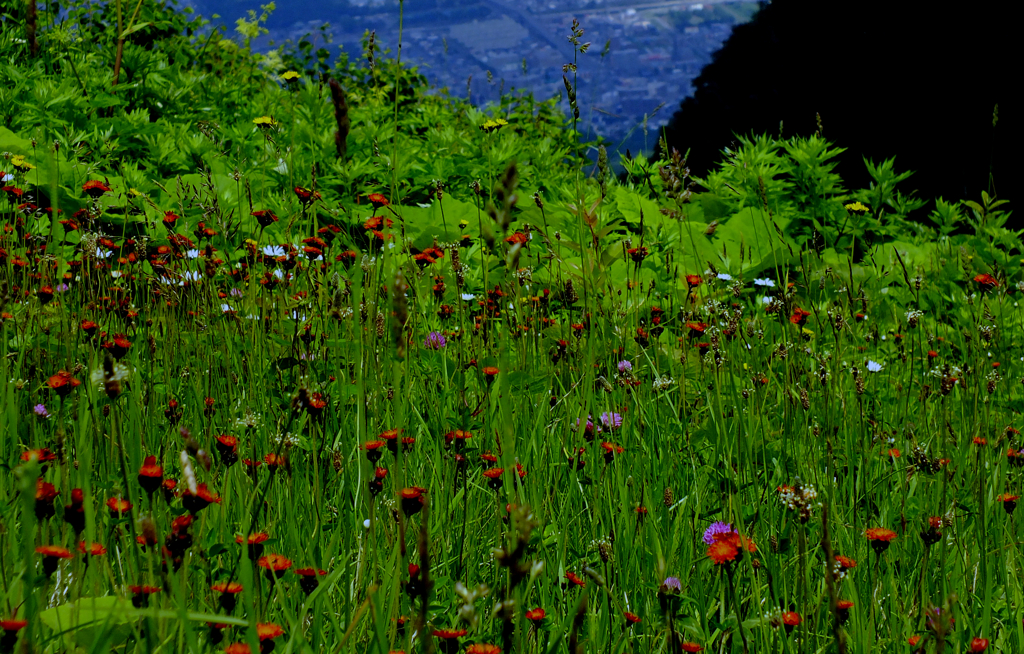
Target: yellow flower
(264, 122)
(856, 207)
(492, 125)
(135, 193)
(19, 162)
(289, 76)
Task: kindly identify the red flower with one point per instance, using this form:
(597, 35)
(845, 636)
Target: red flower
(118, 506)
(151, 475)
(45, 294)
(986, 281)
(517, 237)
(483, 648)
(573, 578)
(308, 578)
(306, 196)
(799, 317)
(493, 476)
(914, 640)
(274, 564)
(412, 500)
(693, 281)
(536, 615)
(63, 383)
(1009, 501)
(696, 328)
(722, 552)
(631, 618)
(237, 648)
(843, 610)
(196, 502)
(268, 631)
(52, 555)
(690, 647)
(880, 538)
(373, 450)
(95, 188)
(845, 562)
(227, 448)
(265, 217)
(140, 595)
(377, 200)
(449, 634)
(92, 550)
(791, 619)
(979, 645)
(169, 219)
(491, 372)
(255, 542)
(42, 455)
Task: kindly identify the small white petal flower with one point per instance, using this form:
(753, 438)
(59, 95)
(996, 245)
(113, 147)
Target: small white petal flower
(874, 366)
(764, 282)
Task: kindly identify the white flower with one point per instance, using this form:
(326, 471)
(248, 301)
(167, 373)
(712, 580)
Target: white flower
(725, 277)
(468, 297)
(187, 472)
(192, 275)
(764, 282)
(874, 366)
(885, 291)
(273, 250)
(192, 254)
(278, 273)
(7, 177)
(226, 308)
(766, 300)
(366, 523)
(100, 254)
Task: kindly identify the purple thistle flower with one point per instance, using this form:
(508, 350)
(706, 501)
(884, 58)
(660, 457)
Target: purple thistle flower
(715, 529)
(41, 411)
(611, 420)
(671, 584)
(435, 341)
(625, 366)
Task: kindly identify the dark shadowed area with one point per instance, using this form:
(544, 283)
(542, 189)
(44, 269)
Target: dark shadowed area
(915, 80)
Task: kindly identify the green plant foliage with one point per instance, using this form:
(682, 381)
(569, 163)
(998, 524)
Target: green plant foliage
(301, 354)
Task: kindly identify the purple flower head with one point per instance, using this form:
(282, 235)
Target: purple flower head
(611, 420)
(590, 425)
(625, 366)
(671, 585)
(435, 341)
(61, 288)
(41, 411)
(715, 529)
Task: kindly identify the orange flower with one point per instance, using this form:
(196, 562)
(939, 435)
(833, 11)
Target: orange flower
(845, 562)
(799, 317)
(483, 648)
(536, 615)
(631, 618)
(268, 631)
(880, 538)
(377, 200)
(690, 647)
(517, 237)
(92, 550)
(914, 640)
(1009, 501)
(237, 648)
(274, 564)
(196, 502)
(573, 578)
(412, 499)
(230, 587)
(986, 281)
(151, 475)
(791, 619)
(493, 476)
(118, 506)
(490, 371)
(722, 552)
(63, 383)
(95, 188)
(693, 281)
